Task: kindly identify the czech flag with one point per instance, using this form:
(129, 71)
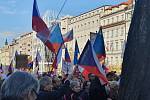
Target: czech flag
(55, 39)
(68, 36)
(88, 63)
(76, 53)
(99, 45)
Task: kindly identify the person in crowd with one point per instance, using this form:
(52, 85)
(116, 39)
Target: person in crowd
(56, 83)
(114, 88)
(97, 90)
(46, 92)
(112, 76)
(74, 92)
(85, 90)
(91, 77)
(45, 84)
(20, 86)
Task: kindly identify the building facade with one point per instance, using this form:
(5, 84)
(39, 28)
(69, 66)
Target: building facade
(115, 21)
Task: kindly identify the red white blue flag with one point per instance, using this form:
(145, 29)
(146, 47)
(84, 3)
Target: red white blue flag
(76, 53)
(68, 36)
(89, 63)
(99, 45)
(55, 40)
(39, 26)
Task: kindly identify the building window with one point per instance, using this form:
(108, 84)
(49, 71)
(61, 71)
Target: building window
(117, 32)
(97, 20)
(111, 46)
(93, 22)
(107, 46)
(122, 44)
(112, 19)
(104, 22)
(122, 31)
(107, 34)
(122, 17)
(116, 45)
(116, 60)
(111, 60)
(112, 32)
(107, 21)
(117, 18)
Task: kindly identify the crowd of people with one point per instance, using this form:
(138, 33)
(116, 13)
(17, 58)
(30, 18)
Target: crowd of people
(24, 86)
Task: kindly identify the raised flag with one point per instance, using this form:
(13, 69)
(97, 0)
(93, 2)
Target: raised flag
(57, 59)
(1, 69)
(40, 27)
(67, 56)
(76, 53)
(38, 24)
(55, 40)
(99, 45)
(90, 63)
(68, 36)
(10, 67)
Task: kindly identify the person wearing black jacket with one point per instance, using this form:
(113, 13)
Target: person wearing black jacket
(97, 91)
(46, 92)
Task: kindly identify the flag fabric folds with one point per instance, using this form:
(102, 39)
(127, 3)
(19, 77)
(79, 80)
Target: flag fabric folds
(55, 40)
(99, 45)
(76, 53)
(10, 67)
(67, 56)
(57, 58)
(38, 24)
(68, 36)
(89, 63)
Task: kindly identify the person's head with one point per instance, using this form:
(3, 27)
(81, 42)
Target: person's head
(86, 85)
(46, 84)
(75, 86)
(20, 86)
(91, 76)
(56, 82)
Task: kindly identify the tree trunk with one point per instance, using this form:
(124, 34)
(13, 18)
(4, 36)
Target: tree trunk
(135, 76)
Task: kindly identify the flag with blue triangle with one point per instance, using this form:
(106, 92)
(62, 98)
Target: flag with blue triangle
(89, 63)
